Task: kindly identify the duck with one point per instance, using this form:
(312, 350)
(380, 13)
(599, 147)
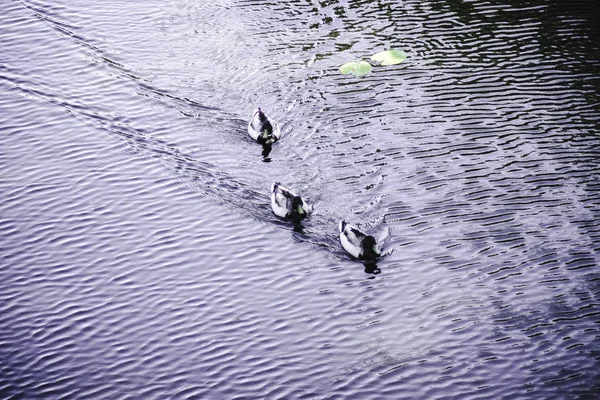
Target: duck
(263, 129)
(358, 244)
(287, 204)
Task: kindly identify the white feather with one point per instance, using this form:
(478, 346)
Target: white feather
(279, 202)
(350, 242)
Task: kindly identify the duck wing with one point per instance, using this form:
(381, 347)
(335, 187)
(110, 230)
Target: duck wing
(351, 239)
(281, 200)
(254, 127)
(275, 134)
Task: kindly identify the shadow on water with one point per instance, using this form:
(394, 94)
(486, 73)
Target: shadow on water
(299, 228)
(371, 268)
(266, 151)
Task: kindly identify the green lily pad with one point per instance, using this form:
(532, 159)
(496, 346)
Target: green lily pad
(363, 68)
(349, 68)
(360, 68)
(389, 57)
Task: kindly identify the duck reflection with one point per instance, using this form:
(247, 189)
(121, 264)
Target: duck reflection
(371, 268)
(266, 151)
(298, 228)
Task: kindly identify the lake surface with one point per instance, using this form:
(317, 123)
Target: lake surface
(139, 255)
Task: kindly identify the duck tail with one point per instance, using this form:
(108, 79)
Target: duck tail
(342, 226)
(262, 117)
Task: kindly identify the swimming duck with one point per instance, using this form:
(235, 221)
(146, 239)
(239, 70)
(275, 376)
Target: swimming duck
(357, 243)
(286, 204)
(263, 129)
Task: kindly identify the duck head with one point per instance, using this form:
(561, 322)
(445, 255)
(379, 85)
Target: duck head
(297, 205)
(370, 252)
(266, 133)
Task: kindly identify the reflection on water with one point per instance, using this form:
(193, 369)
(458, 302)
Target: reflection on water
(371, 268)
(139, 247)
(266, 150)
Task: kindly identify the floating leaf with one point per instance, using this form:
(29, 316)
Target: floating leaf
(363, 68)
(348, 68)
(389, 57)
(360, 68)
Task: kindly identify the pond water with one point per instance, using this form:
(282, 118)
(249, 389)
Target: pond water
(140, 258)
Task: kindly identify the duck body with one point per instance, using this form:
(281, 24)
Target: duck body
(286, 204)
(358, 244)
(263, 129)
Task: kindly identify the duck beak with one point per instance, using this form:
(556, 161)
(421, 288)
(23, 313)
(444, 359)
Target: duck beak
(300, 210)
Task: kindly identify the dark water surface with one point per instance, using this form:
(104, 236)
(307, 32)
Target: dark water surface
(139, 255)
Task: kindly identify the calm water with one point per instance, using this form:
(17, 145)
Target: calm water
(139, 255)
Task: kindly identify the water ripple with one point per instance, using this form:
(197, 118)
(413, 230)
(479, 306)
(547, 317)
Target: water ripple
(139, 254)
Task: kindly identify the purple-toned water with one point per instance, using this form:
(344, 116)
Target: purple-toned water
(139, 256)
